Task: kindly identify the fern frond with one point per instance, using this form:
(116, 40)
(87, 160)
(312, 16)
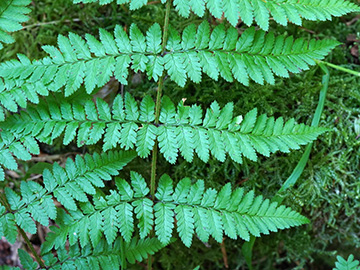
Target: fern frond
(77, 61)
(12, 146)
(195, 210)
(254, 56)
(182, 130)
(349, 264)
(254, 10)
(103, 256)
(66, 185)
(26, 261)
(12, 14)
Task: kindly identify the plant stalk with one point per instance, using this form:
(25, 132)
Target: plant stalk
(247, 248)
(157, 113)
(353, 72)
(23, 234)
(158, 101)
(166, 25)
(291, 181)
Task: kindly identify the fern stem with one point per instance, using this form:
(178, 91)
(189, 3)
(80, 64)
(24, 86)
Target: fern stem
(37, 258)
(158, 101)
(153, 171)
(23, 234)
(157, 112)
(166, 25)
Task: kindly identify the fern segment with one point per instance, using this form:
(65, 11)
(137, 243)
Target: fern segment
(254, 56)
(283, 11)
(103, 256)
(67, 185)
(216, 212)
(349, 264)
(182, 130)
(12, 146)
(12, 14)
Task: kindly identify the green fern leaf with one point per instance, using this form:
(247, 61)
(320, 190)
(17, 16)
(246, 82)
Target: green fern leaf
(65, 198)
(139, 185)
(167, 143)
(8, 227)
(7, 160)
(125, 189)
(153, 39)
(13, 199)
(112, 136)
(349, 264)
(185, 225)
(131, 108)
(118, 108)
(12, 146)
(165, 189)
(104, 256)
(164, 221)
(26, 261)
(25, 222)
(12, 14)
(76, 192)
(256, 56)
(110, 227)
(183, 130)
(144, 213)
(145, 140)
(96, 228)
(138, 250)
(206, 212)
(39, 214)
(182, 190)
(281, 11)
(49, 207)
(67, 186)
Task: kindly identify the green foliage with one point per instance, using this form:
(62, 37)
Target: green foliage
(26, 260)
(254, 10)
(205, 212)
(12, 14)
(98, 225)
(67, 185)
(349, 264)
(183, 129)
(13, 146)
(255, 55)
(104, 255)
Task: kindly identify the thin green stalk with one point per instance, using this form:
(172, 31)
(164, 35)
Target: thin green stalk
(153, 171)
(353, 72)
(291, 181)
(158, 101)
(166, 25)
(23, 234)
(155, 148)
(157, 113)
